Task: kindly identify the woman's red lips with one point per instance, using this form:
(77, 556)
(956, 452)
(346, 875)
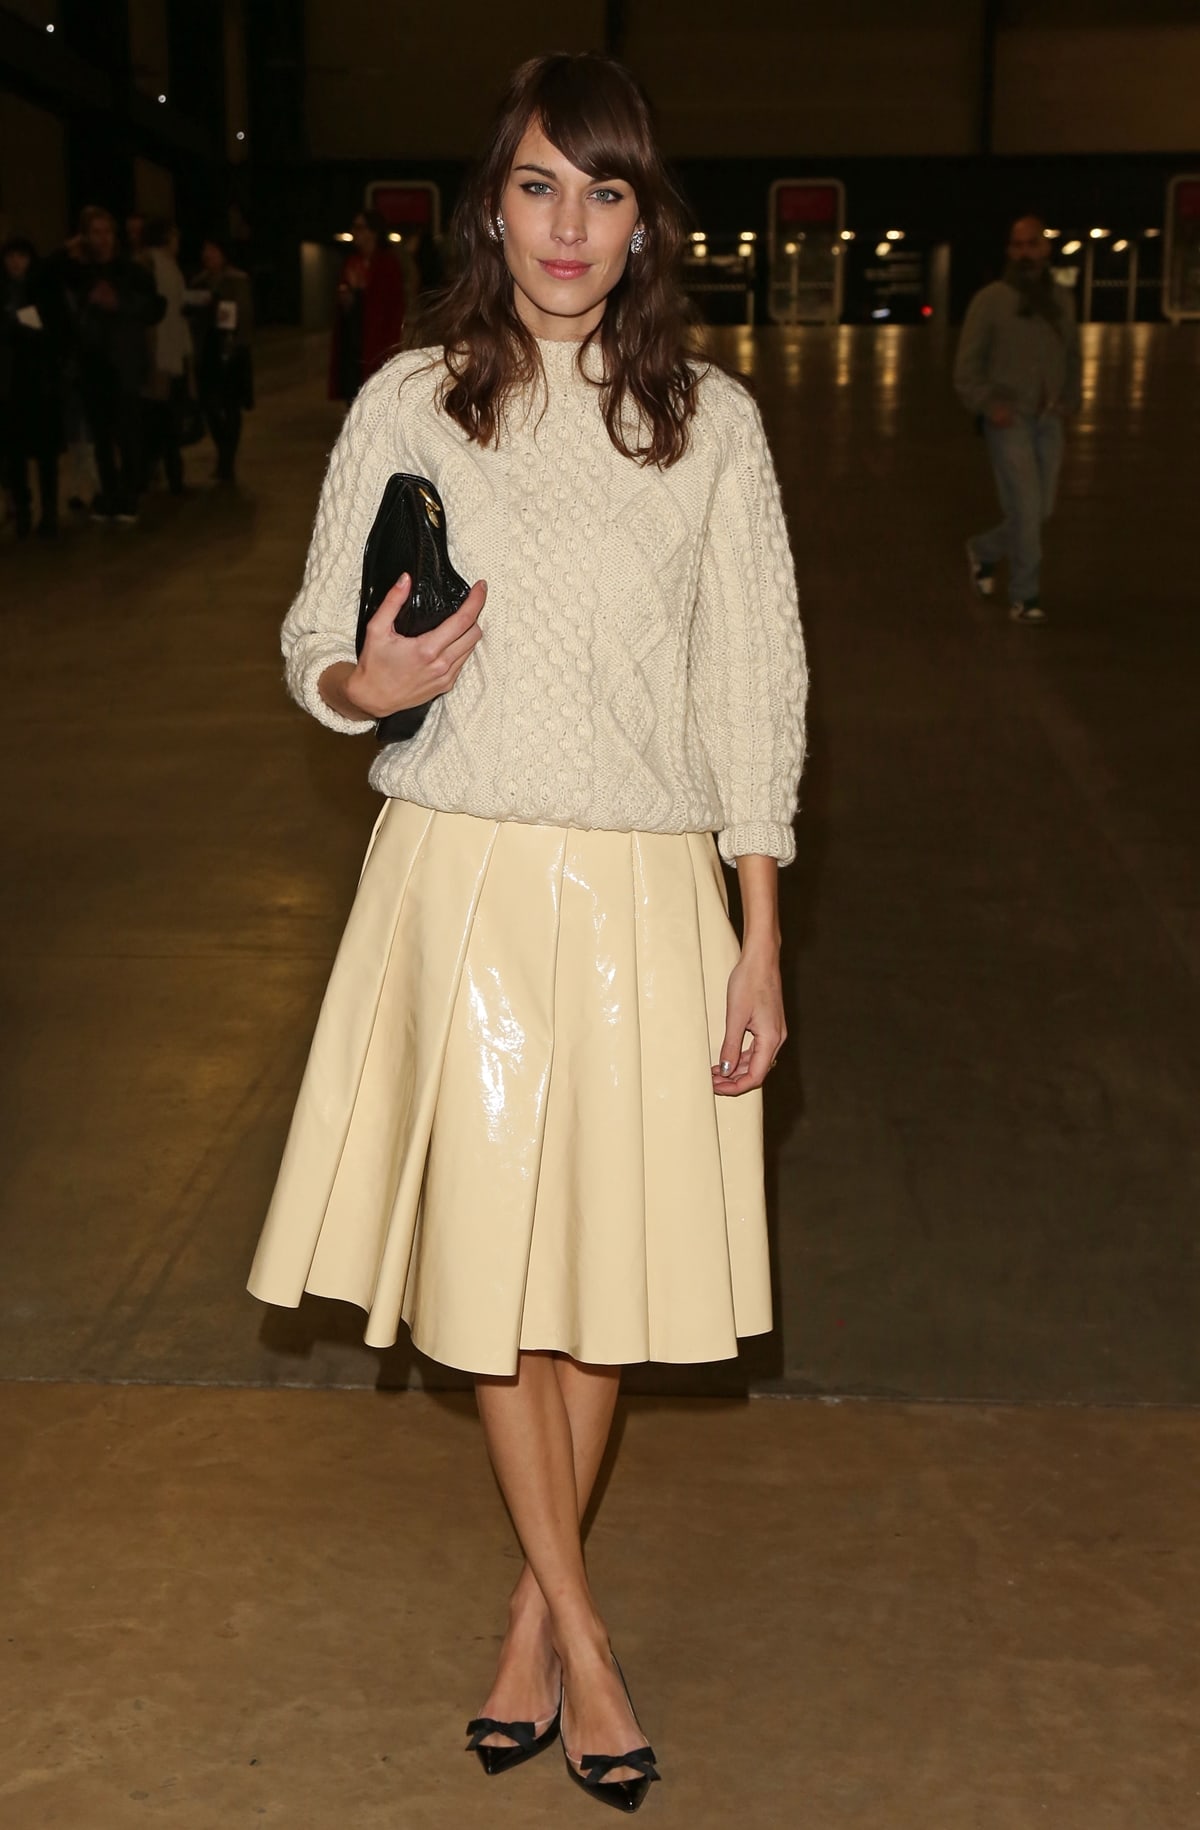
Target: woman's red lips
(565, 270)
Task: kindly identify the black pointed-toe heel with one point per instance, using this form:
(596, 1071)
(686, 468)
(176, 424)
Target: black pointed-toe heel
(590, 1771)
(527, 1744)
(622, 1794)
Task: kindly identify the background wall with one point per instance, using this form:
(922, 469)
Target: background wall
(403, 79)
(854, 78)
(780, 76)
(33, 171)
(1119, 78)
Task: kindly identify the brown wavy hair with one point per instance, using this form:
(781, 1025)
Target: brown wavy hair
(595, 113)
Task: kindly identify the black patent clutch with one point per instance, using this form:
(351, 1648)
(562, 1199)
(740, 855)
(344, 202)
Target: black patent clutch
(408, 534)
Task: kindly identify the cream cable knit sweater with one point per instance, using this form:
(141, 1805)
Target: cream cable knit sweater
(641, 667)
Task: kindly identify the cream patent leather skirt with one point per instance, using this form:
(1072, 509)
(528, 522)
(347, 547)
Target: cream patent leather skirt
(506, 1133)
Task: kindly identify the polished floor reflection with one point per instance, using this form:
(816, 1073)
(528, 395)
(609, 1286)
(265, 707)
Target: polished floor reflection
(984, 1155)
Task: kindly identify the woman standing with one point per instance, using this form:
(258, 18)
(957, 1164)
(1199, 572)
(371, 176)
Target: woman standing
(171, 348)
(31, 407)
(531, 1124)
(223, 329)
(369, 311)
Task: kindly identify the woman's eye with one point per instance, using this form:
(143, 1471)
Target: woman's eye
(606, 196)
(536, 188)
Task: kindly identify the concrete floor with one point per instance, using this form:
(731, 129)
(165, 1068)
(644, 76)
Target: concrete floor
(281, 1607)
(235, 1605)
(985, 1160)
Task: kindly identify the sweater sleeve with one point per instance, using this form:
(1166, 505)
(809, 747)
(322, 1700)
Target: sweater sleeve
(972, 381)
(748, 678)
(320, 626)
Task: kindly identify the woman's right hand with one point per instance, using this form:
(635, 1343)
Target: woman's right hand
(394, 671)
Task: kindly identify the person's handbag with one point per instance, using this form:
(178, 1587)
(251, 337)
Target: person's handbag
(408, 535)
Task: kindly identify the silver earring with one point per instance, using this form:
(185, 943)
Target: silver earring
(497, 228)
(637, 240)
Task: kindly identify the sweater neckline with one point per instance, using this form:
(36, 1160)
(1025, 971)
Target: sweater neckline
(560, 357)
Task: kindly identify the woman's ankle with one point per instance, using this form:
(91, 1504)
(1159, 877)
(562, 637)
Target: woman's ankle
(527, 1610)
(582, 1642)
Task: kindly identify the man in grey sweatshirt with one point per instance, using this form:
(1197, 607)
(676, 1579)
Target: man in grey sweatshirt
(1018, 370)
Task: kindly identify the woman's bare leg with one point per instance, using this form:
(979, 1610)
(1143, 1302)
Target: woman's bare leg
(546, 1432)
(528, 1673)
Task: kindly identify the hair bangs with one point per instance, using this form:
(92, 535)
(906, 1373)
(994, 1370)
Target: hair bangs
(593, 123)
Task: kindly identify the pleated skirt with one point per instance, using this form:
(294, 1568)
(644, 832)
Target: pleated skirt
(506, 1134)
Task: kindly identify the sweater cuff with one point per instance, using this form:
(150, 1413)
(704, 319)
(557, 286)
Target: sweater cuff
(760, 838)
(305, 665)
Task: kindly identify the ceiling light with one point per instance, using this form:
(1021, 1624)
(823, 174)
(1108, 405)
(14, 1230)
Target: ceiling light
(789, 247)
(240, 134)
(895, 234)
(699, 235)
(1072, 247)
(747, 235)
(343, 235)
(49, 28)
(1052, 234)
(847, 235)
(162, 98)
(883, 247)
(1151, 233)
(392, 236)
(1119, 247)
(883, 311)
(1099, 234)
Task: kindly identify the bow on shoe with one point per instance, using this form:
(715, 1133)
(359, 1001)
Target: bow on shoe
(483, 1726)
(596, 1767)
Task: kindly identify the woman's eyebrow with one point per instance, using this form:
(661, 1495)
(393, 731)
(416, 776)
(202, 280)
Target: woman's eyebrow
(544, 171)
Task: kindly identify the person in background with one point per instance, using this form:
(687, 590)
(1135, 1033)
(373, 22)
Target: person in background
(368, 317)
(1018, 370)
(31, 416)
(223, 330)
(111, 304)
(170, 350)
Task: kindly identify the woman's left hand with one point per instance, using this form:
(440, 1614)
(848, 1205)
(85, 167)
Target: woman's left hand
(754, 1004)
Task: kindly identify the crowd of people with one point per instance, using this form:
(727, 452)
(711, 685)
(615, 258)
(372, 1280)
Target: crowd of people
(112, 360)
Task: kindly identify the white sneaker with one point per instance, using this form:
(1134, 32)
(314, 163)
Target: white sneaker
(1029, 612)
(983, 576)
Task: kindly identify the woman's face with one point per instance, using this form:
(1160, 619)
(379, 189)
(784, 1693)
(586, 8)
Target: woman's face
(566, 239)
(365, 238)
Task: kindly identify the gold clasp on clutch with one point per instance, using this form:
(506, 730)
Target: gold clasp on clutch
(432, 508)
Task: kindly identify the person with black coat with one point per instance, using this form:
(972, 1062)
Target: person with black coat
(31, 416)
(111, 305)
(223, 330)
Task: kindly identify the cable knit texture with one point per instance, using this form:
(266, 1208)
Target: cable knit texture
(641, 667)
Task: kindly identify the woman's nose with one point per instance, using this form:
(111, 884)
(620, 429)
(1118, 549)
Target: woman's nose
(569, 225)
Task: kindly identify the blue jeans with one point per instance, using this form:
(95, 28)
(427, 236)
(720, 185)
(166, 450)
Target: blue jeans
(1026, 458)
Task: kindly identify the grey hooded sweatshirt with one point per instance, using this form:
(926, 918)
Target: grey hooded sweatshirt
(1022, 359)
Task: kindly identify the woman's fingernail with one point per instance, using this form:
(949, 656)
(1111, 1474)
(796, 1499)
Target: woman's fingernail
(726, 1067)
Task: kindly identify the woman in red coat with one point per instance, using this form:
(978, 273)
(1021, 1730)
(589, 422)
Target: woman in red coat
(369, 313)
